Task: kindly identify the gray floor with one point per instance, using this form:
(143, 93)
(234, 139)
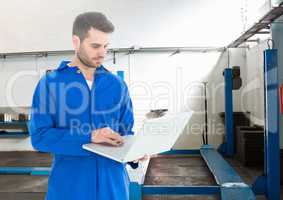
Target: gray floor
(179, 170)
(163, 170)
(23, 187)
(190, 170)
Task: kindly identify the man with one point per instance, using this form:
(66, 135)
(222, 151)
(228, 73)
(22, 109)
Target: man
(81, 102)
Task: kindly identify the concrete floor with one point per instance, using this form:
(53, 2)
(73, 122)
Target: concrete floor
(23, 187)
(25, 158)
(190, 170)
(163, 170)
(179, 170)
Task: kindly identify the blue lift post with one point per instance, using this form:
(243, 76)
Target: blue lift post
(269, 183)
(229, 113)
(272, 147)
(227, 148)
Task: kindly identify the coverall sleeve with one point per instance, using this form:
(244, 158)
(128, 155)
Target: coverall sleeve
(45, 136)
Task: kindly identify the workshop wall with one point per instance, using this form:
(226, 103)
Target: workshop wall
(46, 25)
(235, 57)
(159, 81)
(253, 92)
(19, 77)
(173, 82)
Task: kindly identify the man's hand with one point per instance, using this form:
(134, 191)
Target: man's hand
(144, 158)
(106, 136)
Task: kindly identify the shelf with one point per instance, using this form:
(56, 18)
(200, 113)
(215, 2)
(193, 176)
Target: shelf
(14, 125)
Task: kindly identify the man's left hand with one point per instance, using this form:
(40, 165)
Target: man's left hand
(144, 158)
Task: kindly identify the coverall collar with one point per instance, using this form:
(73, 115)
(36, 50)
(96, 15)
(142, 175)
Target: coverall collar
(64, 64)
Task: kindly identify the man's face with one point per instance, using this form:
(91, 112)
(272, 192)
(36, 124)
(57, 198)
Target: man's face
(92, 50)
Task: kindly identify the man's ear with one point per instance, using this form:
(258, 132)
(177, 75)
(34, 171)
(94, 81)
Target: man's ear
(76, 42)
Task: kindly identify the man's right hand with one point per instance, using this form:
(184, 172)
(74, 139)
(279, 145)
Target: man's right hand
(106, 136)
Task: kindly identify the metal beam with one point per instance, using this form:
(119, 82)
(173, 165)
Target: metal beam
(119, 50)
(263, 23)
(13, 125)
(232, 186)
(14, 134)
(182, 152)
(43, 171)
(179, 190)
(221, 170)
(237, 193)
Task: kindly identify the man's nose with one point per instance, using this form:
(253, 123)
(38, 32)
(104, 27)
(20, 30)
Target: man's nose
(102, 51)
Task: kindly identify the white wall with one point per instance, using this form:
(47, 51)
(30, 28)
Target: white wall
(19, 77)
(46, 25)
(216, 92)
(253, 92)
(173, 83)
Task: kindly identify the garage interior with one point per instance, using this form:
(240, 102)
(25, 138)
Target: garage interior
(209, 58)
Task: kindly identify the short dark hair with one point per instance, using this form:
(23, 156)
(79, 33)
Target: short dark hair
(85, 21)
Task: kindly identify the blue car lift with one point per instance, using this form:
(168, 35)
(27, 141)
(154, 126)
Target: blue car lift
(269, 182)
(227, 148)
(229, 184)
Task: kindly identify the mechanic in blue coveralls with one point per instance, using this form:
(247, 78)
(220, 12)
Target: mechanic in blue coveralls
(81, 102)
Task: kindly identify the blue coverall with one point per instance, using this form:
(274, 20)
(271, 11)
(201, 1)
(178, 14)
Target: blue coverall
(64, 113)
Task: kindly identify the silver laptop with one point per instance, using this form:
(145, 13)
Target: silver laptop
(156, 136)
